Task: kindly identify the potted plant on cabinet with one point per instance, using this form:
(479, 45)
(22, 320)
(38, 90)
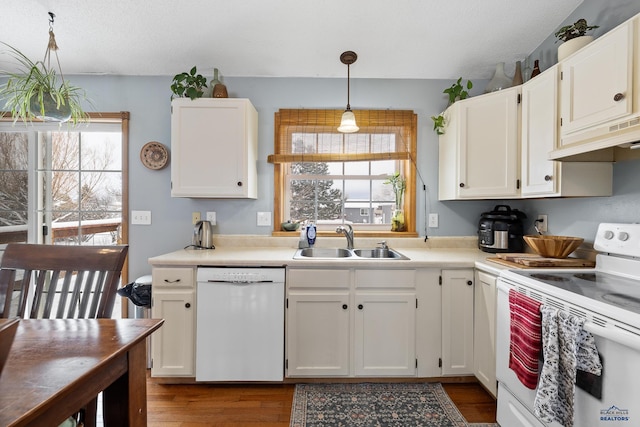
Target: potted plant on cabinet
(573, 37)
(36, 91)
(189, 84)
(455, 92)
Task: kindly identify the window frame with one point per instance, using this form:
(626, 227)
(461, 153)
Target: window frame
(401, 122)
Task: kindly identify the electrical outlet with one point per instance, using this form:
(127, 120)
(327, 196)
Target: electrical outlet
(141, 217)
(195, 217)
(542, 223)
(264, 219)
(433, 220)
(211, 217)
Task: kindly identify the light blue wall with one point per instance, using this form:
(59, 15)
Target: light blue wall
(148, 101)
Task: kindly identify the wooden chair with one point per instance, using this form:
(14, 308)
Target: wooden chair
(61, 282)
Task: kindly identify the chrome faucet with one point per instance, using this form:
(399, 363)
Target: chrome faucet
(347, 230)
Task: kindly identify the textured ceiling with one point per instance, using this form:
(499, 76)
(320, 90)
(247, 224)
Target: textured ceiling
(409, 39)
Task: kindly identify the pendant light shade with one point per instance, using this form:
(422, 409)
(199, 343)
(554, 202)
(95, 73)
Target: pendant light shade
(348, 122)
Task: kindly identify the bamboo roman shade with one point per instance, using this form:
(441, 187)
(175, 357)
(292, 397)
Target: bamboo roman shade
(312, 136)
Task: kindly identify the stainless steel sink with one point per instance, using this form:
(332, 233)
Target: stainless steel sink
(323, 253)
(378, 253)
(339, 253)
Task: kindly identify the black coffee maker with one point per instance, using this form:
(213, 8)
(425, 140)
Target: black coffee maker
(501, 230)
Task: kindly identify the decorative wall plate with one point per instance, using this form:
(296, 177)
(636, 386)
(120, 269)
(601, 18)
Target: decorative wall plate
(154, 155)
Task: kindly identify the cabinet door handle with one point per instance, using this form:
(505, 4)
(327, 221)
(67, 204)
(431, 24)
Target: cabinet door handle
(239, 183)
(360, 306)
(172, 281)
(462, 185)
(548, 178)
(345, 306)
(618, 97)
(188, 305)
(469, 283)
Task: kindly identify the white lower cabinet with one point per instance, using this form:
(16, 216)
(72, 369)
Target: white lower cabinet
(484, 332)
(351, 322)
(457, 322)
(318, 333)
(174, 300)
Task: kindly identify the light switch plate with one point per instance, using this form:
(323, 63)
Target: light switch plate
(211, 217)
(433, 220)
(264, 219)
(141, 217)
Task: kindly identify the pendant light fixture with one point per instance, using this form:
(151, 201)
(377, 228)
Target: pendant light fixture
(348, 122)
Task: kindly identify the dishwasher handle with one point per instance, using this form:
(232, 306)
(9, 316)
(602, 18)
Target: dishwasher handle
(243, 282)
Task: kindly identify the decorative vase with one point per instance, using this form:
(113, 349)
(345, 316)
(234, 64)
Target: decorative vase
(536, 68)
(397, 220)
(219, 90)
(52, 113)
(517, 76)
(571, 46)
(499, 81)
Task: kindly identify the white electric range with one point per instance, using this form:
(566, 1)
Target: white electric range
(608, 298)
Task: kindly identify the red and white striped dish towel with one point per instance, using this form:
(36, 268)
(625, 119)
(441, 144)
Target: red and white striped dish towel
(526, 338)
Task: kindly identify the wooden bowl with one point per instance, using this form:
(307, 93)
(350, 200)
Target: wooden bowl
(553, 246)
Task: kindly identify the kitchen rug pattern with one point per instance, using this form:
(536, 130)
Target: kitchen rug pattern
(375, 405)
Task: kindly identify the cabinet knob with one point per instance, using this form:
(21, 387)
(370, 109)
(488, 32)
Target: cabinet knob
(188, 305)
(469, 283)
(462, 185)
(548, 178)
(360, 306)
(345, 306)
(618, 97)
(239, 183)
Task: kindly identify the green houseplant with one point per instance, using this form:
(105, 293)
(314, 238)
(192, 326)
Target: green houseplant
(189, 84)
(573, 37)
(399, 185)
(577, 29)
(36, 91)
(456, 92)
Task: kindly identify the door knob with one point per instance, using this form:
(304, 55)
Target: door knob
(469, 282)
(345, 306)
(360, 306)
(188, 305)
(547, 178)
(239, 183)
(462, 185)
(618, 97)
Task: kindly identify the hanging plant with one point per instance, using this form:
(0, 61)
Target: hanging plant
(36, 91)
(455, 92)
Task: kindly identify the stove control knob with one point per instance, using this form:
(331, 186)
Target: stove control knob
(608, 235)
(623, 236)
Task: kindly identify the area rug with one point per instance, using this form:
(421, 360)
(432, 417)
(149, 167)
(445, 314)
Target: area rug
(375, 405)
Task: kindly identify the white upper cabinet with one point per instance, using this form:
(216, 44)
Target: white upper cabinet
(479, 152)
(599, 93)
(542, 177)
(214, 145)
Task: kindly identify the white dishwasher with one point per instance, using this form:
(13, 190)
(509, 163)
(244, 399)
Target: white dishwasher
(240, 324)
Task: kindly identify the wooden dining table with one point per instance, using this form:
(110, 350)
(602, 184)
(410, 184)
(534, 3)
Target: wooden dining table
(56, 366)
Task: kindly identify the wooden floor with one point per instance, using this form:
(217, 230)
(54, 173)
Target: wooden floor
(180, 405)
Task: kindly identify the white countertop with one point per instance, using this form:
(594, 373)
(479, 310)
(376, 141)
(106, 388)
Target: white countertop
(256, 252)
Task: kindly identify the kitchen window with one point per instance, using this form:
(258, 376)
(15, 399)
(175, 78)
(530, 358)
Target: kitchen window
(332, 178)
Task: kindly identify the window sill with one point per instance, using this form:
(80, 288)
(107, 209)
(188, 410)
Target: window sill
(388, 234)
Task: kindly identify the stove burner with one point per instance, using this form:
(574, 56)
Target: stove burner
(549, 277)
(623, 300)
(591, 277)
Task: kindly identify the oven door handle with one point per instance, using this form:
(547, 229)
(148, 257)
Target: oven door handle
(620, 336)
